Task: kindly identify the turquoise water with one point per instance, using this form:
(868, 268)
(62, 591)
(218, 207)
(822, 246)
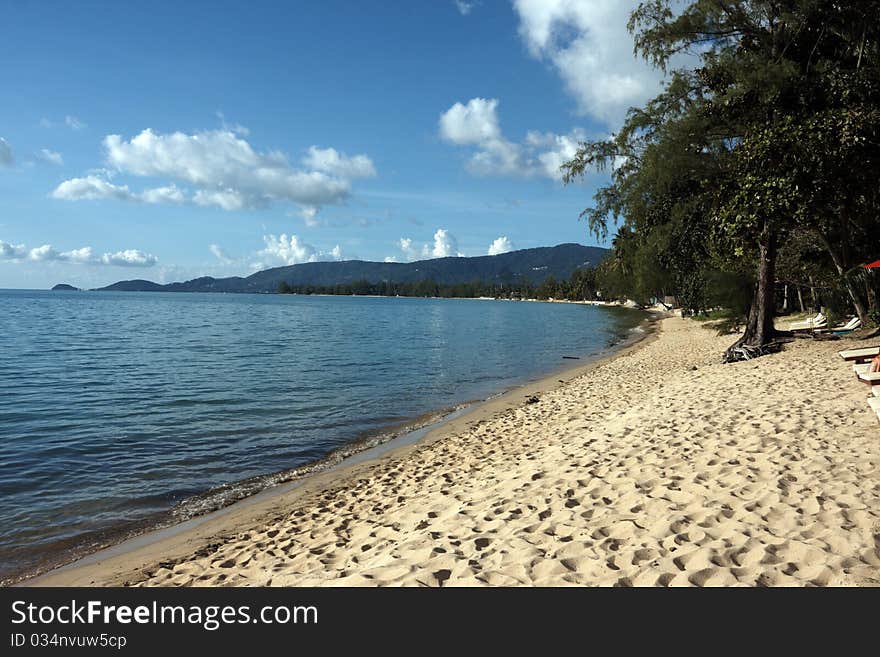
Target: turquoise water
(118, 408)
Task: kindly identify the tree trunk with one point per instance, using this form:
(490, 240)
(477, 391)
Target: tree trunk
(800, 298)
(785, 299)
(872, 296)
(759, 327)
(841, 264)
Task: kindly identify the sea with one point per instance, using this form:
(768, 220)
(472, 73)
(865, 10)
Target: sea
(126, 411)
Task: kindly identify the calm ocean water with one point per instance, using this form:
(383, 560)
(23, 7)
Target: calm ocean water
(116, 408)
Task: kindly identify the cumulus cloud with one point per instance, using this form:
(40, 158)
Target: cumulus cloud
(50, 157)
(500, 245)
(444, 245)
(477, 124)
(89, 188)
(464, 8)
(587, 43)
(473, 123)
(6, 158)
(225, 170)
(221, 162)
(410, 252)
(129, 258)
(292, 250)
(331, 161)
(168, 194)
(81, 256)
(227, 199)
(12, 251)
(309, 215)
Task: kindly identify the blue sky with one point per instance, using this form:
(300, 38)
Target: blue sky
(171, 140)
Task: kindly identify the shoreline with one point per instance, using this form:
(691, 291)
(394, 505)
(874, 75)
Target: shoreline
(335, 465)
(659, 466)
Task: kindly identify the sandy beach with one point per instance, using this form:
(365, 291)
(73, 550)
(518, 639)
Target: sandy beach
(659, 466)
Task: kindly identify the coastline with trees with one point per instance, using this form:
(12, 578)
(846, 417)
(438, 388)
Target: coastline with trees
(752, 177)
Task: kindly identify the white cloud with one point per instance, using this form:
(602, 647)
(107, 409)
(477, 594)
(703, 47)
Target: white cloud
(309, 214)
(230, 172)
(292, 250)
(12, 251)
(410, 252)
(500, 245)
(587, 42)
(226, 171)
(233, 127)
(6, 157)
(73, 123)
(464, 8)
(50, 157)
(93, 187)
(70, 121)
(220, 254)
(81, 256)
(444, 245)
(44, 253)
(331, 161)
(168, 194)
(227, 199)
(89, 188)
(129, 258)
(476, 123)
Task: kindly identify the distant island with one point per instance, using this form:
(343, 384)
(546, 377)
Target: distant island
(525, 268)
(64, 287)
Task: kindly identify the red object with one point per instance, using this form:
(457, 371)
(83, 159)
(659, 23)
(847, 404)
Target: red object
(873, 265)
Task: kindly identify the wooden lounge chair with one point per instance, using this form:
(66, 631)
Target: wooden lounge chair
(871, 378)
(810, 324)
(874, 403)
(851, 325)
(859, 355)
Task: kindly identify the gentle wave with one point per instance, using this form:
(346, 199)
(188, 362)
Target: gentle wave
(126, 411)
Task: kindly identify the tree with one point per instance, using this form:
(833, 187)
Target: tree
(760, 140)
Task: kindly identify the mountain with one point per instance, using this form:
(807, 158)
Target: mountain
(532, 265)
(64, 287)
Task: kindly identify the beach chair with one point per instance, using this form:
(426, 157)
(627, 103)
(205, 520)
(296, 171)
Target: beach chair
(874, 403)
(871, 378)
(851, 325)
(811, 324)
(859, 355)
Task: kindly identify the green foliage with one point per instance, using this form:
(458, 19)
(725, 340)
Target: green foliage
(581, 286)
(771, 144)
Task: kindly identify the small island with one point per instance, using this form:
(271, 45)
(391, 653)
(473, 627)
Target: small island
(64, 287)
